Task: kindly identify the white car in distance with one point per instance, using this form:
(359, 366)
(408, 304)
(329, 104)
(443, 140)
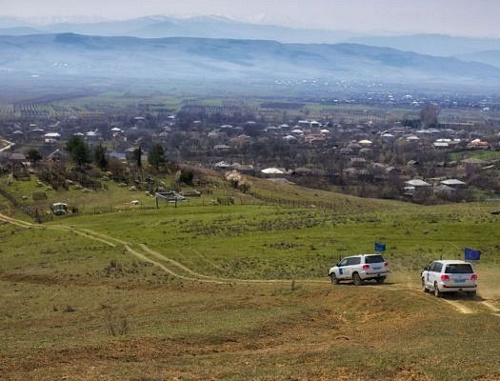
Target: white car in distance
(359, 268)
(449, 276)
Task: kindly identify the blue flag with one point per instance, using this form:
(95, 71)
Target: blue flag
(472, 255)
(379, 247)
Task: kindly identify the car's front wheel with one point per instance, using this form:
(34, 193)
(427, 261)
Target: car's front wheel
(357, 279)
(334, 279)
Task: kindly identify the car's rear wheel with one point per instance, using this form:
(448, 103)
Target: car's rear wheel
(357, 279)
(471, 294)
(334, 279)
(424, 286)
(437, 293)
(381, 280)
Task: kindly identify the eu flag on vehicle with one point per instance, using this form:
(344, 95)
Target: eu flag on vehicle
(472, 255)
(379, 247)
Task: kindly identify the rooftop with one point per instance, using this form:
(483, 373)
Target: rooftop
(451, 261)
(453, 182)
(417, 183)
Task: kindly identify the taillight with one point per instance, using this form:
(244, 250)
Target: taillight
(366, 267)
(386, 264)
(474, 277)
(445, 277)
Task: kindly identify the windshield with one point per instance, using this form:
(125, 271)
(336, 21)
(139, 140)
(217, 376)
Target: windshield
(464, 268)
(374, 259)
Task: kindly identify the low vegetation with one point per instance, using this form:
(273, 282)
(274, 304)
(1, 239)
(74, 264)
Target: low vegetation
(245, 294)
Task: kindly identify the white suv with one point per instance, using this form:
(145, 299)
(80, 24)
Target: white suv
(359, 268)
(449, 276)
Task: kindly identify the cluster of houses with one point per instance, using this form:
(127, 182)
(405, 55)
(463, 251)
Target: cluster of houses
(364, 160)
(412, 185)
(343, 136)
(417, 159)
(448, 189)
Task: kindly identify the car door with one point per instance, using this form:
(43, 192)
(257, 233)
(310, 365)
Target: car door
(435, 274)
(352, 266)
(429, 275)
(341, 266)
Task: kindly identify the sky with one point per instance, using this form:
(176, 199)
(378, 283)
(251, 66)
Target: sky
(455, 17)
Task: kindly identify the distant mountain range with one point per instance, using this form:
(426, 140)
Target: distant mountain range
(162, 26)
(490, 57)
(194, 59)
(432, 44)
(485, 50)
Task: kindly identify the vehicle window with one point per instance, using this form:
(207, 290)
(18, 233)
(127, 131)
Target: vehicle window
(374, 259)
(461, 268)
(354, 261)
(343, 262)
(438, 267)
(432, 266)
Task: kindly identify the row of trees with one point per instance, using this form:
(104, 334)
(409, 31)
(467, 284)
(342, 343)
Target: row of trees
(81, 154)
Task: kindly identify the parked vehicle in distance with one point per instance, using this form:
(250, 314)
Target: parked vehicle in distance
(170, 196)
(59, 208)
(449, 276)
(359, 268)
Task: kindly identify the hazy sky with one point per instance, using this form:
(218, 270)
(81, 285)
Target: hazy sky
(459, 17)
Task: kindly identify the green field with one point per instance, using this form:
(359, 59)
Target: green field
(149, 99)
(482, 154)
(206, 291)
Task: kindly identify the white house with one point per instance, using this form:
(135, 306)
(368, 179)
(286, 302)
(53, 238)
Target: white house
(52, 137)
(272, 171)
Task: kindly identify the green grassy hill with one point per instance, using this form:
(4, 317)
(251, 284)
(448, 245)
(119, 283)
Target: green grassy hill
(239, 291)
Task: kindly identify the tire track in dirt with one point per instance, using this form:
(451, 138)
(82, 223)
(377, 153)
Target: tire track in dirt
(227, 280)
(104, 236)
(16, 222)
(491, 307)
(177, 264)
(85, 234)
(169, 271)
(107, 240)
(88, 235)
(68, 229)
(206, 260)
(459, 306)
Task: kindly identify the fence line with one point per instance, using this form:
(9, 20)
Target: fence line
(296, 203)
(28, 210)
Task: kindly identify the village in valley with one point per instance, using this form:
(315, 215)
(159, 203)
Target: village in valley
(426, 152)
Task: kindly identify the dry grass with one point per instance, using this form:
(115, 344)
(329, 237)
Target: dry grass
(79, 309)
